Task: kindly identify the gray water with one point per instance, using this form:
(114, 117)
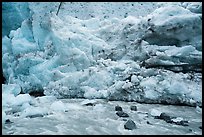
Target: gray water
(102, 120)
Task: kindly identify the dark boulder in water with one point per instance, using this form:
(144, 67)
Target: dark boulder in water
(8, 121)
(130, 125)
(165, 117)
(122, 114)
(118, 108)
(89, 104)
(133, 108)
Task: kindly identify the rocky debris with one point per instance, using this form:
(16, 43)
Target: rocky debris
(165, 117)
(122, 114)
(130, 125)
(118, 108)
(36, 115)
(37, 93)
(172, 120)
(8, 121)
(133, 108)
(89, 104)
(182, 123)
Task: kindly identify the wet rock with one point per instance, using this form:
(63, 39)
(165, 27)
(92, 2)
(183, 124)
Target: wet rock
(124, 119)
(169, 121)
(118, 108)
(133, 108)
(89, 104)
(34, 116)
(8, 121)
(149, 123)
(130, 125)
(182, 123)
(122, 114)
(37, 93)
(165, 117)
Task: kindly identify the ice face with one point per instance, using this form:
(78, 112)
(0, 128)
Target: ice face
(132, 58)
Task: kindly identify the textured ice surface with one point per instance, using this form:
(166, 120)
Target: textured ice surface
(150, 55)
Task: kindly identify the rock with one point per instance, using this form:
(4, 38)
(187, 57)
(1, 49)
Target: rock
(89, 104)
(200, 127)
(8, 121)
(124, 119)
(165, 117)
(130, 125)
(182, 123)
(34, 116)
(169, 121)
(149, 123)
(36, 93)
(118, 108)
(134, 108)
(122, 114)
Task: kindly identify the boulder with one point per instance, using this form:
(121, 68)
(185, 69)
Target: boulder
(122, 114)
(118, 108)
(133, 108)
(130, 125)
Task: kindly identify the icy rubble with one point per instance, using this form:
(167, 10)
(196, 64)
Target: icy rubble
(116, 59)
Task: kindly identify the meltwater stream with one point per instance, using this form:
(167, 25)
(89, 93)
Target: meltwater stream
(98, 117)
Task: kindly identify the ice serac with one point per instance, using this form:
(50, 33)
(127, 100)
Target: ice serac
(155, 58)
(13, 13)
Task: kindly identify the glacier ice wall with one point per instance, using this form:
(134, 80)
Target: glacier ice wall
(153, 56)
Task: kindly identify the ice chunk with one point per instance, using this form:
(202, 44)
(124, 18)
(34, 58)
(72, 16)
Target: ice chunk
(4, 117)
(134, 79)
(21, 99)
(34, 112)
(58, 106)
(99, 108)
(178, 88)
(178, 119)
(127, 85)
(155, 112)
(11, 89)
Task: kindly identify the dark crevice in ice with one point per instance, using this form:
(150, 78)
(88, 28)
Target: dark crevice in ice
(37, 93)
(185, 68)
